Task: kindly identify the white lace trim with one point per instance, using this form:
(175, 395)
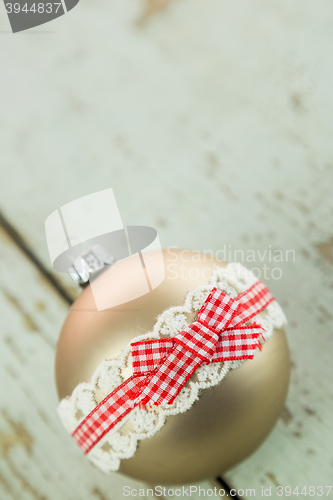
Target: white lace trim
(121, 441)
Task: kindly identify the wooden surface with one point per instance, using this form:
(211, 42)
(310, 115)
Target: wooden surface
(212, 122)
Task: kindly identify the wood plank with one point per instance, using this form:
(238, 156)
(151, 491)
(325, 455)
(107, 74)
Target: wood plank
(299, 451)
(38, 460)
(260, 133)
(218, 135)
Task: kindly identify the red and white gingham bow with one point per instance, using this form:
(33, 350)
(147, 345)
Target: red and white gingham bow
(162, 367)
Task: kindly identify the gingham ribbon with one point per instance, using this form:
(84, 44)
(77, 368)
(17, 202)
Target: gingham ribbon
(162, 367)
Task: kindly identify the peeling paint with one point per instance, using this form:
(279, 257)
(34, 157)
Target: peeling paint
(286, 416)
(18, 437)
(326, 250)
(96, 492)
(15, 349)
(272, 478)
(309, 411)
(150, 8)
(28, 321)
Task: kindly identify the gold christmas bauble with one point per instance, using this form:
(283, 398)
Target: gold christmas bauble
(228, 421)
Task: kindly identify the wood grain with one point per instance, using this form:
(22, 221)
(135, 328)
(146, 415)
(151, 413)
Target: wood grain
(212, 122)
(38, 459)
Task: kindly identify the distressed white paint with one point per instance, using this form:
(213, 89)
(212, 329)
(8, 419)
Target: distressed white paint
(212, 122)
(38, 459)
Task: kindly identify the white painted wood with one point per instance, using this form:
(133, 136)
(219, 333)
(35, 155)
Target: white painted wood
(299, 451)
(212, 122)
(209, 109)
(38, 459)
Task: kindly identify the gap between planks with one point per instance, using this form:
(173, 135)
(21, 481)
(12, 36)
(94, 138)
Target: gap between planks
(20, 242)
(18, 239)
